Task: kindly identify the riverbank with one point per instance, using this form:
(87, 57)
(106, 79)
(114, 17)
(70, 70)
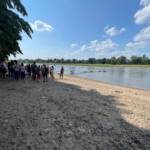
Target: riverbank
(73, 113)
(105, 65)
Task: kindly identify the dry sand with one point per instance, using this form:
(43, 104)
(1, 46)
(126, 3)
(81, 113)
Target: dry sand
(73, 114)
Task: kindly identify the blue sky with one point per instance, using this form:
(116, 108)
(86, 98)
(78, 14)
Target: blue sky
(87, 28)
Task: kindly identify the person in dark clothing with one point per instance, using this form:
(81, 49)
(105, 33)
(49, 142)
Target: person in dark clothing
(39, 73)
(61, 72)
(22, 71)
(9, 68)
(29, 70)
(34, 71)
(17, 71)
(3, 69)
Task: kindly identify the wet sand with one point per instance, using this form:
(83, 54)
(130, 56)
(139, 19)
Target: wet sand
(73, 114)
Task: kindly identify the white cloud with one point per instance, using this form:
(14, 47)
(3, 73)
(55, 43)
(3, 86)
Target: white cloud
(83, 48)
(94, 47)
(145, 2)
(143, 35)
(143, 16)
(137, 45)
(74, 45)
(107, 48)
(140, 40)
(41, 26)
(113, 31)
(102, 45)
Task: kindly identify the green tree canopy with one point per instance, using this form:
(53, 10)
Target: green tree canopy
(11, 27)
(142, 60)
(122, 60)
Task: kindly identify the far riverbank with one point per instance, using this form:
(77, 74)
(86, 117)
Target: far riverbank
(102, 65)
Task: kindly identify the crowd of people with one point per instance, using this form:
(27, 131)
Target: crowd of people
(19, 71)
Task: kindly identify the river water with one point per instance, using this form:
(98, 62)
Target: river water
(135, 77)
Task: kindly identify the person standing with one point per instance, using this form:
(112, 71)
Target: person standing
(52, 72)
(34, 71)
(62, 72)
(29, 70)
(22, 71)
(1, 68)
(5, 69)
(17, 70)
(9, 68)
(39, 73)
(45, 72)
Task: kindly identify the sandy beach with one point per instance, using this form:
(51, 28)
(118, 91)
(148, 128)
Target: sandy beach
(73, 114)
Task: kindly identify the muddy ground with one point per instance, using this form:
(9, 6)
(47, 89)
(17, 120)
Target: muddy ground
(73, 114)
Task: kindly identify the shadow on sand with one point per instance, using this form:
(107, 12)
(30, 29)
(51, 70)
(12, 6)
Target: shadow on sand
(65, 117)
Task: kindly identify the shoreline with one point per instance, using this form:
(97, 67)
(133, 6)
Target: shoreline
(76, 80)
(111, 84)
(104, 65)
(125, 95)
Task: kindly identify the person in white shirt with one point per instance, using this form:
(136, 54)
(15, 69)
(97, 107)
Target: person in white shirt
(52, 72)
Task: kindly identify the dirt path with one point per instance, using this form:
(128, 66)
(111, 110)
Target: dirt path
(73, 114)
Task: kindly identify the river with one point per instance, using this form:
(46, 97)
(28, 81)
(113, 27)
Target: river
(134, 77)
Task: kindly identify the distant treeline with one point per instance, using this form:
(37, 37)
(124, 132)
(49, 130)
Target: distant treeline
(143, 60)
